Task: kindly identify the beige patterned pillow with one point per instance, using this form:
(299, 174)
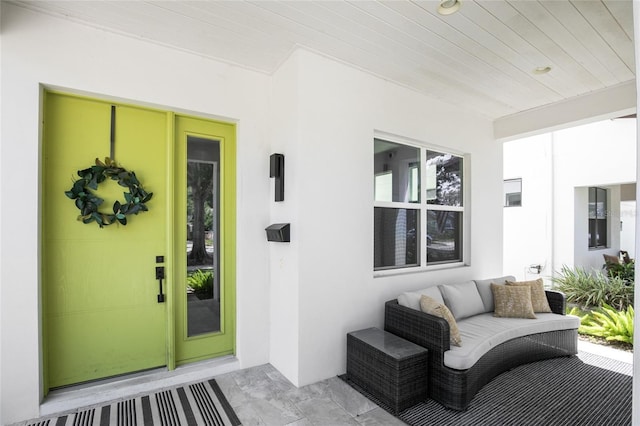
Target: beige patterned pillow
(538, 295)
(512, 301)
(431, 306)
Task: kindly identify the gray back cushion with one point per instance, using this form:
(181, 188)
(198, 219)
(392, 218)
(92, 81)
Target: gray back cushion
(411, 299)
(484, 288)
(462, 299)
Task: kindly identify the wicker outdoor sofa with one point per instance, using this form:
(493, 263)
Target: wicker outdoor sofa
(455, 387)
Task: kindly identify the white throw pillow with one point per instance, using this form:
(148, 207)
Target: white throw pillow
(462, 299)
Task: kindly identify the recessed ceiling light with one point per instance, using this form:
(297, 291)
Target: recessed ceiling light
(447, 7)
(541, 70)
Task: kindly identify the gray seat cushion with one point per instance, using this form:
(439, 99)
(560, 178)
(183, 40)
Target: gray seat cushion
(482, 332)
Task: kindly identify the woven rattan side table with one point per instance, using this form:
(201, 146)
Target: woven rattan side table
(390, 368)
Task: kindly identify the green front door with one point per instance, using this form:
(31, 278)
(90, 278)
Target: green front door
(102, 315)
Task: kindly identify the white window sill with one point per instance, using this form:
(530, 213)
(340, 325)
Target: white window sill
(418, 269)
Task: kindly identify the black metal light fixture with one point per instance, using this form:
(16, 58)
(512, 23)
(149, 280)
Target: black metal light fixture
(276, 170)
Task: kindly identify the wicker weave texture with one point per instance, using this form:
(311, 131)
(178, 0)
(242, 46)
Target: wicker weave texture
(456, 388)
(398, 382)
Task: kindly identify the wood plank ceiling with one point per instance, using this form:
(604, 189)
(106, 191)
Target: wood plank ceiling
(482, 58)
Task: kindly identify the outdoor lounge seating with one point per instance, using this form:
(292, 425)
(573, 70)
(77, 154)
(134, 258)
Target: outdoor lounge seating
(489, 344)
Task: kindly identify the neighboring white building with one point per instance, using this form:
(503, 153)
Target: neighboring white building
(550, 227)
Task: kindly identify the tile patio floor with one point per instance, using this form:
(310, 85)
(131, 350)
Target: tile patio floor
(261, 395)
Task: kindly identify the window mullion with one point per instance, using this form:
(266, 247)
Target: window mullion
(423, 207)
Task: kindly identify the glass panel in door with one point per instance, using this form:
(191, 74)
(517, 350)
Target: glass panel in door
(202, 248)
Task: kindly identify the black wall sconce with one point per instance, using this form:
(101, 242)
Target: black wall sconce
(280, 232)
(276, 170)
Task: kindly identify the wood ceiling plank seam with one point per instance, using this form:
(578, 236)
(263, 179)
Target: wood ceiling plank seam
(327, 21)
(238, 39)
(559, 58)
(518, 50)
(119, 18)
(208, 37)
(343, 53)
(400, 26)
(314, 40)
(477, 75)
(303, 32)
(544, 48)
(475, 44)
(609, 28)
(432, 88)
(622, 11)
(303, 15)
(207, 18)
(589, 38)
(240, 13)
(551, 25)
(520, 82)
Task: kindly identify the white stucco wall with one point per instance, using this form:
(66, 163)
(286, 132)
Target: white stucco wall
(528, 229)
(599, 154)
(284, 257)
(38, 49)
(556, 169)
(339, 108)
(295, 301)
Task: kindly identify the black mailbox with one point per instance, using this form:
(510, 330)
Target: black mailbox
(278, 232)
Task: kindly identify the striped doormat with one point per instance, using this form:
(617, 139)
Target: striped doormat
(197, 404)
(560, 392)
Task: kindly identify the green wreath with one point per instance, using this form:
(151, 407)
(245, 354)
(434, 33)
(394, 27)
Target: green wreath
(88, 203)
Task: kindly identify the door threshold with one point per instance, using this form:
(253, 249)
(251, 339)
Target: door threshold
(70, 399)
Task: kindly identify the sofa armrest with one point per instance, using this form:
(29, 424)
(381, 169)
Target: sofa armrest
(557, 301)
(423, 329)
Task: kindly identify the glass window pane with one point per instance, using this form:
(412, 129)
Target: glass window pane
(601, 203)
(444, 179)
(399, 166)
(396, 237)
(598, 221)
(203, 254)
(513, 192)
(592, 203)
(601, 232)
(444, 236)
(513, 200)
(384, 186)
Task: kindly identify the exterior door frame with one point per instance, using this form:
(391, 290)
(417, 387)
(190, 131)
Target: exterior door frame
(173, 224)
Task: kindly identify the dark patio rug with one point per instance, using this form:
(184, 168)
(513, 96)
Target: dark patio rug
(196, 404)
(561, 391)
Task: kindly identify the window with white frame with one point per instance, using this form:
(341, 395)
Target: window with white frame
(418, 206)
(598, 218)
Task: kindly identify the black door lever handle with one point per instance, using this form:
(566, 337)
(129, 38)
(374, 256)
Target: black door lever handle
(160, 277)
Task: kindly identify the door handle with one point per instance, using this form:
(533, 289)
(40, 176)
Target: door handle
(160, 277)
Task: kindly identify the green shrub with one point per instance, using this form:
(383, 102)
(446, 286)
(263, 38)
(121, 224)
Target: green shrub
(202, 283)
(575, 311)
(594, 289)
(624, 271)
(610, 324)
